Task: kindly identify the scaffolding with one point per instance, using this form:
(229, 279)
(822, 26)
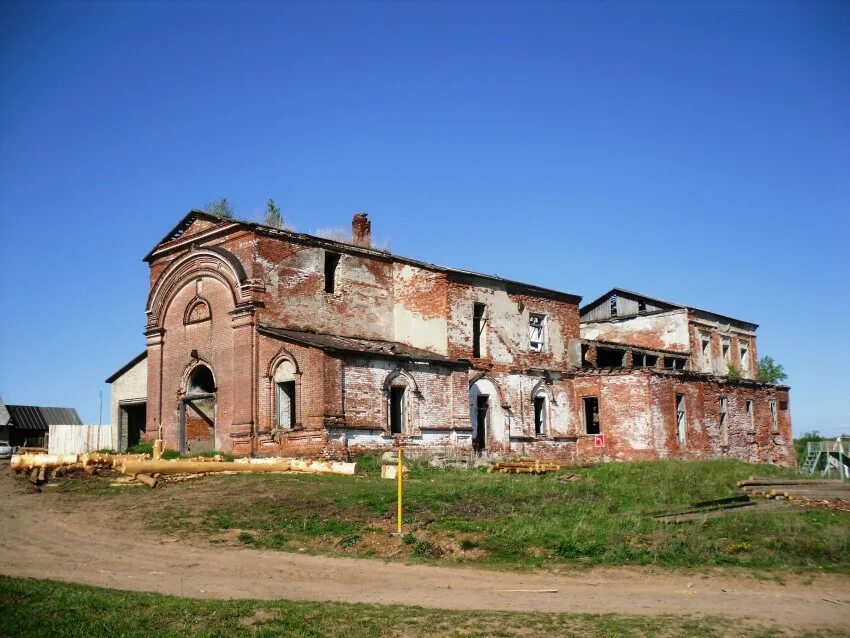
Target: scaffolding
(833, 455)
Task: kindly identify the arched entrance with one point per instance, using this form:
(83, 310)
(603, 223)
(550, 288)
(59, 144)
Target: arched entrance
(197, 412)
(485, 413)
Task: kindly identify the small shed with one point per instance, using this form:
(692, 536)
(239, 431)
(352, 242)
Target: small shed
(30, 424)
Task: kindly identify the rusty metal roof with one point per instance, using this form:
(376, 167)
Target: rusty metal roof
(369, 347)
(33, 417)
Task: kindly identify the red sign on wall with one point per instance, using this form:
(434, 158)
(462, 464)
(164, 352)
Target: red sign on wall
(599, 440)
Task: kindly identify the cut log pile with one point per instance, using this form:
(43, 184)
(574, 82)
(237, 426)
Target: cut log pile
(533, 466)
(826, 493)
(141, 468)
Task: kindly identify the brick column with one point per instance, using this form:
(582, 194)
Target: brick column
(153, 419)
(243, 381)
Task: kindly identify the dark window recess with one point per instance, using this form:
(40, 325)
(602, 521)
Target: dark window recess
(591, 415)
(614, 305)
(396, 410)
(783, 405)
(641, 360)
(641, 306)
(201, 381)
(483, 413)
(674, 363)
(331, 263)
(609, 358)
(540, 415)
(477, 328)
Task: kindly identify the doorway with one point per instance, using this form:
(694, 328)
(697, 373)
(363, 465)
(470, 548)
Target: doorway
(482, 411)
(133, 416)
(197, 413)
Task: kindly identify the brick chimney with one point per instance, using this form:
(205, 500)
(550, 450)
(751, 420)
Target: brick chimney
(361, 230)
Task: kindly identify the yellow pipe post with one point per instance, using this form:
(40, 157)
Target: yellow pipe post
(400, 480)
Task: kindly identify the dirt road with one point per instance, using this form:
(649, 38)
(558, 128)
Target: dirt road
(41, 537)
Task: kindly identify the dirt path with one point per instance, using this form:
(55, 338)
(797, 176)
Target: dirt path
(41, 538)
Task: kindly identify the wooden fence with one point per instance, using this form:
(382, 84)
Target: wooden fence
(78, 439)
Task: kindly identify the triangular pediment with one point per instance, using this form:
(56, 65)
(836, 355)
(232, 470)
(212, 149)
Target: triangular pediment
(195, 223)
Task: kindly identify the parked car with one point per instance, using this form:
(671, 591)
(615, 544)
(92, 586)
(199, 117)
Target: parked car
(5, 450)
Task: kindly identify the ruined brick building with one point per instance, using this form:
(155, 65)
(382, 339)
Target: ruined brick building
(265, 341)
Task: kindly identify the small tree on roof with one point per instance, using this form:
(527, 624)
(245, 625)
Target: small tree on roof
(273, 215)
(222, 208)
(770, 371)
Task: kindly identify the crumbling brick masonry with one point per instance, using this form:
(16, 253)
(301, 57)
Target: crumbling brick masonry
(264, 341)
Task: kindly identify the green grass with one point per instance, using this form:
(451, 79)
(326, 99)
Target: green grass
(168, 453)
(50, 608)
(520, 520)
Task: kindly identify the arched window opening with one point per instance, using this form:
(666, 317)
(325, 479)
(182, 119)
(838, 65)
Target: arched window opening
(398, 409)
(541, 425)
(285, 398)
(201, 381)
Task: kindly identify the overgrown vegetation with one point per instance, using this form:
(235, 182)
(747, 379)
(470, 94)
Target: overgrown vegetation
(35, 608)
(770, 371)
(168, 453)
(520, 520)
(221, 207)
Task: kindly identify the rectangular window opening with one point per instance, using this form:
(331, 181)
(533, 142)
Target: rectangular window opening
(681, 424)
(286, 404)
(477, 328)
(674, 363)
(536, 332)
(745, 358)
(724, 424)
(751, 423)
(539, 415)
(591, 415)
(774, 420)
(609, 358)
(331, 263)
(706, 352)
(397, 410)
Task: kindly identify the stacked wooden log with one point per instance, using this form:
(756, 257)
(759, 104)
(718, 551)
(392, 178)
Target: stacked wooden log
(828, 493)
(44, 467)
(527, 466)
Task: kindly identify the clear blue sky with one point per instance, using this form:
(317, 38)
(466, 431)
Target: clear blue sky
(693, 151)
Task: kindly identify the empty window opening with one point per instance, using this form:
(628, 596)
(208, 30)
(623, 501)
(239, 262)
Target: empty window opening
(783, 405)
(591, 415)
(674, 363)
(536, 332)
(609, 357)
(681, 424)
(724, 424)
(751, 423)
(477, 328)
(642, 360)
(331, 263)
(540, 415)
(706, 353)
(774, 418)
(724, 349)
(201, 381)
(482, 408)
(745, 358)
(397, 410)
(641, 306)
(584, 362)
(286, 404)
(613, 305)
